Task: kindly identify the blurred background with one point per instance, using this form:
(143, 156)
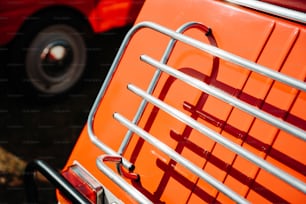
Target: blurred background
(39, 126)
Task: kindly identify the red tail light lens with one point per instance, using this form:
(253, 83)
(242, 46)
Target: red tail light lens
(84, 182)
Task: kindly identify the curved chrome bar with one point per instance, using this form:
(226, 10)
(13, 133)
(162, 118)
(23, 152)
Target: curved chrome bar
(250, 65)
(133, 192)
(178, 158)
(156, 76)
(204, 47)
(108, 78)
(94, 108)
(195, 43)
(272, 9)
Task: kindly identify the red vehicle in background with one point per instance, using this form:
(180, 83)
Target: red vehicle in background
(49, 38)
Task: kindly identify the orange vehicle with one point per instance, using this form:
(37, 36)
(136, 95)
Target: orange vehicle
(204, 103)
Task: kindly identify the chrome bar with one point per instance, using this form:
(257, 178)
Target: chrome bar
(176, 36)
(272, 9)
(262, 70)
(133, 192)
(197, 44)
(220, 139)
(156, 76)
(100, 95)
(299, 133)
(178, 158)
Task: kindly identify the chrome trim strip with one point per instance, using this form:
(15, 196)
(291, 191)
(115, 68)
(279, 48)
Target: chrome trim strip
(272, 9)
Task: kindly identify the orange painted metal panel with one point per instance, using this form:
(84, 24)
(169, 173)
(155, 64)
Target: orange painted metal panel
(256, 91)
(266, 40)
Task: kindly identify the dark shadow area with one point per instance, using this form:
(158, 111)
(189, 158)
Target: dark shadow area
(42, 127)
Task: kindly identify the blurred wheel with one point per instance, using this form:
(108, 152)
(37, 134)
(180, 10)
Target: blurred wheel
(55, 59)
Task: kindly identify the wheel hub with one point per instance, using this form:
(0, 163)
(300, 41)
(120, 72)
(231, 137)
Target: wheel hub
(56, 57)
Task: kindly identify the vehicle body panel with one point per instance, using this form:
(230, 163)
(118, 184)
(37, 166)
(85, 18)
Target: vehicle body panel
(267, 40)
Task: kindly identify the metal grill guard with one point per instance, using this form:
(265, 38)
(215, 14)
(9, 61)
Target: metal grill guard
(161, 66)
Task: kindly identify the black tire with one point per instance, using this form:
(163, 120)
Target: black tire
(55, 59)
(30, 52)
